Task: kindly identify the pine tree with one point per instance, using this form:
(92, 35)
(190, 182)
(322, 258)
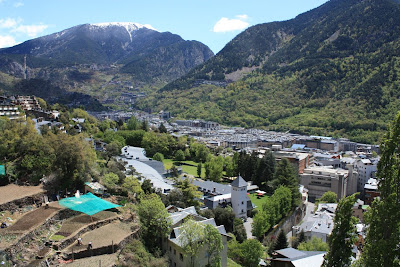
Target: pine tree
(343, 234)
(281, 241)
(199, 169)
(286, 175)
(162, 128)
(269, 170)
(382, 244)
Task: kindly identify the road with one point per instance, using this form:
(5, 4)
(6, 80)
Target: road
(247, 226)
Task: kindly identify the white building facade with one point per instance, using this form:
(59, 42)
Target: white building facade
(239, 197)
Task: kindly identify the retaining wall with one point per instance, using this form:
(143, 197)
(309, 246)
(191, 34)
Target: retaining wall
(286, 225)
(20, 246)
(22, 202)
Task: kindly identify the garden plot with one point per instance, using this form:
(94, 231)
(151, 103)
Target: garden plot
(13, 192)
(31, 220)
(72, 225)
(107, 235)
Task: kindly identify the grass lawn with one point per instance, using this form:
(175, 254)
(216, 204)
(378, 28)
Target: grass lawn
(192, 170)
(231, 263)
(256, 201)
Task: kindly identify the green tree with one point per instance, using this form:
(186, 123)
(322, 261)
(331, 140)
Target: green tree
(284, 196)
(189, 191)
(199, 167)
(75, 160)
(104, 125)
(239, 231)
(192, 239)
(224, 216)
(214, 245)
(272, 210)
(110, 180)
(174, 171)
(199, 152)
(112, 149)
(229, 167)
(214, 167)
(301, 238)
(285, 175)
(260, 225)
(162, 128)
(133, 187)
(281, 241)
(179, 155)
(269, 171)
(145, 126)
(156, 142)
(135, 254)
(132, 124)
(155, 222)
(251, 252)
(315, 244)
(158, 156)
(147, 187)
(343, 234)
(383, 233)
(327, 197)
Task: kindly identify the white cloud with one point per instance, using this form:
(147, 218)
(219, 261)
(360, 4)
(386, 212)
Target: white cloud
(228, 25)
(243, 17)
(7, 41)
(30, 30)
(8, 23)
(18, 4)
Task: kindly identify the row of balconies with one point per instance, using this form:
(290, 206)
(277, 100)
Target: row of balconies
(8, 108)
(9, 113)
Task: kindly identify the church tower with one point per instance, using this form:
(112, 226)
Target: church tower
(239, 197)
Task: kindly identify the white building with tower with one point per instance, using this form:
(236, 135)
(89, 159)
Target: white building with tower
(239, 197)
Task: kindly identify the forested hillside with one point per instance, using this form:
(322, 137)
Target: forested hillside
(331, 71)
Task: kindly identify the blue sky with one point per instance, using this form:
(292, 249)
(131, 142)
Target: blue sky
(213, 22)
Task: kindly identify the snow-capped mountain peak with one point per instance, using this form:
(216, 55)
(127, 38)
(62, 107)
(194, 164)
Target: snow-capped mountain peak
(129, 26)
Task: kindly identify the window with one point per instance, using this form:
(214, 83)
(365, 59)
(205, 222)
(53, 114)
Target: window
(174, 251)
(170, 248)
(181, 256)
(242, 202)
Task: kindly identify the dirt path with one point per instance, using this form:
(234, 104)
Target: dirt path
(12, 192)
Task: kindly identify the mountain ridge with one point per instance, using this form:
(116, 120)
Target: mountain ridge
(330, 71)
(104, 54)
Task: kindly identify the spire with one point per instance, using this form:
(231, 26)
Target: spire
(239, 182)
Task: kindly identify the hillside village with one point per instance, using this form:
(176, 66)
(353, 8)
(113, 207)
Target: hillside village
(39, 228)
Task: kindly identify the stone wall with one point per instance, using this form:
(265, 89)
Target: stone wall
(32, 236)
(65, 243)
(103, 250)
(22, 202)
(286, 225)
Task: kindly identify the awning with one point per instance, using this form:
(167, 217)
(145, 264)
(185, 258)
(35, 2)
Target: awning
(88, 204)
